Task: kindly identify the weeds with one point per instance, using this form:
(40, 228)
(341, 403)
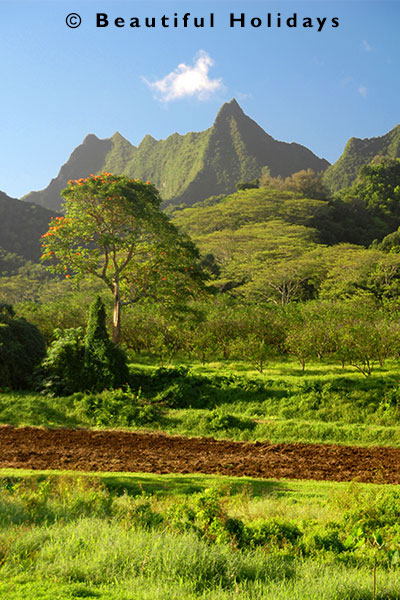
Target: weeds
(74, 532)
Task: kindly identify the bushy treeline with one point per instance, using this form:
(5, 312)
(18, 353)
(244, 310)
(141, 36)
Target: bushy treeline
(286, 241)
(352, 333)
(356, 332)
(276, 289)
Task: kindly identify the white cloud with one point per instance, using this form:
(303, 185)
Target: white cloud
(367, 47)
(188, 80)
(363, 91)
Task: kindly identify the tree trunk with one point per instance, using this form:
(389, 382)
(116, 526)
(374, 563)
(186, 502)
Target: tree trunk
(116, 335)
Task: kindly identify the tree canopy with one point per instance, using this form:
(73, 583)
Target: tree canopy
(113, 230)
(378, 185)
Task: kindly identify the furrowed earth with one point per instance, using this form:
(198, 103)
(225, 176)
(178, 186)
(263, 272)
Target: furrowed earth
(88, 450)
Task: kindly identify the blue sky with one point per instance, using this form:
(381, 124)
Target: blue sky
(315, 88)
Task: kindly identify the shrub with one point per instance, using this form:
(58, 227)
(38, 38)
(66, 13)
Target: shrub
(208, 518)
(22, 347)
(180, 395)
(105, 363)
(116, 408)
(219, 421)
(62, 369)
(273, 533)
(92, 362)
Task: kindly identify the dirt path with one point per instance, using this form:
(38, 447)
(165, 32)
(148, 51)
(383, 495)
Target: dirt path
(85, 450)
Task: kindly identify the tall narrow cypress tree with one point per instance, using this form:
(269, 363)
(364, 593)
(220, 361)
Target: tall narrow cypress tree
(105, 364)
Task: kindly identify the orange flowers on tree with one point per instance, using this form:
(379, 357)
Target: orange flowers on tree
(114, 230)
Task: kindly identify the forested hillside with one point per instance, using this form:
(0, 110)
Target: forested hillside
(21, 225)
(358, 153)
(273, 243)
(276, 239)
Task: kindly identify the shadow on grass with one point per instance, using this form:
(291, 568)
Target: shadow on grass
(23, 408)
(166, 485)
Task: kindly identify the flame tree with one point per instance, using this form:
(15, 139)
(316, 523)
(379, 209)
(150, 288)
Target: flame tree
(114, 230)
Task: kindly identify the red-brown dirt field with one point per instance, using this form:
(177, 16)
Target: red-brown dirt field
(86, 450)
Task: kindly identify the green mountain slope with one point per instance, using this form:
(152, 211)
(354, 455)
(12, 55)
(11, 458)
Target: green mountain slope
(237, 149)
(170, 164)
(21, 225)
(187, 168)
(248, 207)
(358, 153)
(250, 231)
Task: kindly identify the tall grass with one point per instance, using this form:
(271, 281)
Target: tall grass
(70, 537)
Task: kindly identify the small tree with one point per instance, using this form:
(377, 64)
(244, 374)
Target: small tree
(308, 183)
(113, 230)
(62, 371)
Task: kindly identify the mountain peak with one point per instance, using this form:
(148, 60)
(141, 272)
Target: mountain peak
(187, 168)
(91, 138)
(233, 104)
(117, 137)
(230, 109)
(147, 141)
(359, 152)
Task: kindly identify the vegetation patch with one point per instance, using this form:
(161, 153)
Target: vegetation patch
(90, 539)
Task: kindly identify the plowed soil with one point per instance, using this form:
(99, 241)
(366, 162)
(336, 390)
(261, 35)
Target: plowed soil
(85, 450)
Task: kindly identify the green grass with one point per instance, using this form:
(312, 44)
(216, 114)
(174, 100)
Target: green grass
(324, 404)
(312, 581)
(249, 498)
(187, 422)
(93, 541)
(187, 484)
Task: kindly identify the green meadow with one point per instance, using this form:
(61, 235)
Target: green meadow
(231, 400)
(133, 536)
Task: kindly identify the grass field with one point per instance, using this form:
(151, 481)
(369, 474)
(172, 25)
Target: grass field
(184, 537)
(324, 404)
(137, 536)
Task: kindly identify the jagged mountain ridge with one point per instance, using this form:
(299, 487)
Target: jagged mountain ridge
(359, 152)
(187, 168)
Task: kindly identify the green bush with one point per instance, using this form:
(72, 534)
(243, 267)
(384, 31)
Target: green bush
(328, 539)
(208, 518)
(62, 369)
(92, 362)
(105, 363)
(183, 388)
(116, 408)
(273, 533)
(138, 513)
(219, 421)
(22, 347)
(180, 395)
